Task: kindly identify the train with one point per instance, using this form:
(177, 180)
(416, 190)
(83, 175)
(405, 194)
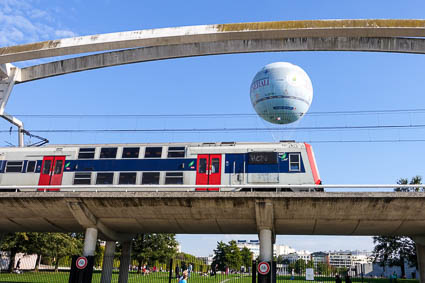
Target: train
(172, 164)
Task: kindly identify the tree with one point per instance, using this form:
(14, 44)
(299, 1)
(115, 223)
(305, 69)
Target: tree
(219, 258)
(233, 256)
(246, 255)
(48, 245)
(14, 243)
(310, 264)
(323, 268)
(38, 246)
(59, 245)
(300, 266)
(148, 248)
(417, 180)
(395, 250)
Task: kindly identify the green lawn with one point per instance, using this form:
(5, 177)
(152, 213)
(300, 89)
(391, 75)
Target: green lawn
(299, 279)
(162, 277)
(159, 277)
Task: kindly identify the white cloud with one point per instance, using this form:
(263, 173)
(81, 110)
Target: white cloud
(65, 33)
(37, 13)
(21, 22)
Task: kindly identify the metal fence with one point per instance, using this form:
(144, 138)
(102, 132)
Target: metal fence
(221, 188)
(286, 273)
(171, 272)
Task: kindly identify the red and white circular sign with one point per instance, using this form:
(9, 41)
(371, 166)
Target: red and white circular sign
(81, 262)
(263, 268)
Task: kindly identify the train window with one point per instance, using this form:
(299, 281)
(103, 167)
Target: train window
(127, 179)
(202, 165)
(46, 167)
(176, 151)
(86, 153)
(82, 178)
(130, 152)
(31, 166)
(262, 158)
(215, 165)
(153, 152)
(150, 178)
(105, 178)
(108, 152)
(14, 166)
(172, 178)
(58, 166)
(294, 162)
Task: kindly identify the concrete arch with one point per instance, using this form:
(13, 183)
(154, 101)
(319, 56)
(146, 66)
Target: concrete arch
(214, 33)
(108, 59)
(166, 43)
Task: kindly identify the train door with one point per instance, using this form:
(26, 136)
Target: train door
(209, 171)
(51, 172)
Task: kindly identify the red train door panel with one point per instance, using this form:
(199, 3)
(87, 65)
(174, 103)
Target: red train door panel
(57, 170)
(46, 169)
(51, 172)
(215, 171)
(208, 171)
(202, 171)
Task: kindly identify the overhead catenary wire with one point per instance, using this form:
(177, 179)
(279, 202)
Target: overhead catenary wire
(216, 115)
(214, 130)
(392, 125)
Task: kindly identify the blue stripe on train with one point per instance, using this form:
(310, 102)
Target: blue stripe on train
(235, 163)
(131, 165)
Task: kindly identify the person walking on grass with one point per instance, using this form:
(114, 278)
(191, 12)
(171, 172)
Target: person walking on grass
(183, 279)
(178, 272)
(347, 278)
(189, 269)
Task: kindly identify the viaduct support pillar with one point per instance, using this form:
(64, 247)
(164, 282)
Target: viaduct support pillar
(266, 245)
(90, 240)
(124, 262)
(108, 262)
(265, 226)
(420, 253)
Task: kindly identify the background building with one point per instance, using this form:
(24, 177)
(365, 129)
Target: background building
(340, 259)
(320, 257)
(293, 257)
(254, 247)
(207, 259)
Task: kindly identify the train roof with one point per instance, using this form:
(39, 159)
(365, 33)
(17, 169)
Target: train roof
(279, 144)
(225, 143)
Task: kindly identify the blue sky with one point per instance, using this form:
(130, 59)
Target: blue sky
(342, 81)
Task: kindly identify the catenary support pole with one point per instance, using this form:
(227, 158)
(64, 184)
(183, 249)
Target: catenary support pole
(108, 262)
(90, 242)
(124, 262)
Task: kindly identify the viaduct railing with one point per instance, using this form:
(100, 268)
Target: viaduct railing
(188, 188)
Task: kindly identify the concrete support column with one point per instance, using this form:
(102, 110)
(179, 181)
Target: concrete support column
(90, 240)
(108, 262)
(125, 262)
(420, 253)
(264, 217)
(266, 245)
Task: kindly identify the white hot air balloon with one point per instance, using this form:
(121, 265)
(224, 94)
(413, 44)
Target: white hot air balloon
(281, 93)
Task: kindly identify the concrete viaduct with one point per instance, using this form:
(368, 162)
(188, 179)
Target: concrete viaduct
(117, 216)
